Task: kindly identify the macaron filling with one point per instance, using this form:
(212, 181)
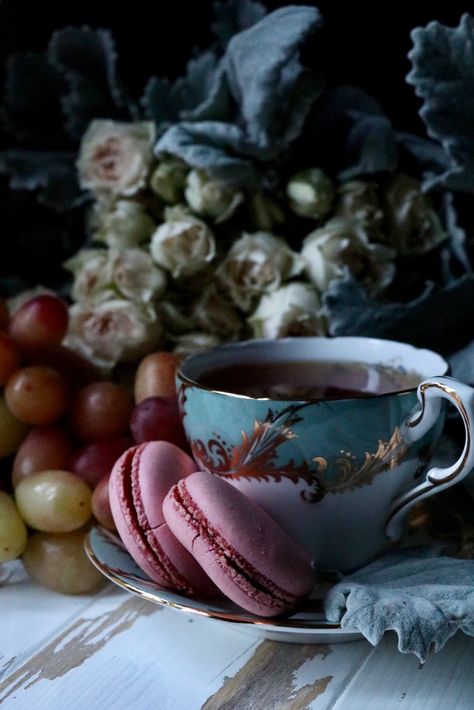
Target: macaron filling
(151, 549)
(252, 582)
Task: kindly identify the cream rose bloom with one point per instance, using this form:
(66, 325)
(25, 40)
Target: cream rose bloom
(294, 309)
(101, 275)
(116, 157)
(256, 264)
(183, 247)
(339, 244)
(209, 198)
(113, 331)
(120, 224)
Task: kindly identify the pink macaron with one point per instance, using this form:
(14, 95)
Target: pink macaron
(248, 556)
(139, 482)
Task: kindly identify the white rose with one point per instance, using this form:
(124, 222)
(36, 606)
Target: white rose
(294, 309)
(92, 273)
(340, 243)
(214, 314)
(120, 224)
(209, 198)
(113, 331)
(101, 275)
(116, 157)
(256, 264)
(183, 247)
(136, 276)
(195, 342)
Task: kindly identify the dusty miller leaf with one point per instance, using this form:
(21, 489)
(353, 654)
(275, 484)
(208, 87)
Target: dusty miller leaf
(425, 598)
(436, 319)
(53, 173)
(443, 76)
(263, 71)
(32, 99)
(370, 147)
(87, 59)
(220, 148)
(233, 16)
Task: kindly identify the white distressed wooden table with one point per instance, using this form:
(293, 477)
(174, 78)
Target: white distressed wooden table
(113, 650)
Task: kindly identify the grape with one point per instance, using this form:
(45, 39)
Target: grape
(101, 504)
(155, 376)
(54, 501)
(37, 395)
(40, 323)
(95, 461)
(75, 369)
(157, 418)
(43, 448)
(59, 563)
(9, 357)
(100, 411)
(12, 431)
(13, 533)
(4, 314)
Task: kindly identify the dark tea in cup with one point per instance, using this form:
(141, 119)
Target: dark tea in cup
(308, 380)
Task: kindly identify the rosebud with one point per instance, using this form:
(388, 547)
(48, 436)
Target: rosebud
(209, 198)
(184, 247)
(120, 224)
(311, 193)
(169, 179)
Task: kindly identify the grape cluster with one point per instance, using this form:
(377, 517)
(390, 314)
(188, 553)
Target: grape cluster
(62, 427)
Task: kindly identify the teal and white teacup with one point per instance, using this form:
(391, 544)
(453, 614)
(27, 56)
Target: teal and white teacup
(338, 475)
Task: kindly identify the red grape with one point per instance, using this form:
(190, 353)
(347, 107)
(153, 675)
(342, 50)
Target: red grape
(40, 323)
(155, 376)
(9, 357)
(4, 314)
(100, 411)
(101, 504)
(157, 418)
(37, 395)
(95, 461)
(73, 367)
(43, 448)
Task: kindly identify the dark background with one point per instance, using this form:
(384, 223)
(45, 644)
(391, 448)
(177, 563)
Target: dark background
(365, 43)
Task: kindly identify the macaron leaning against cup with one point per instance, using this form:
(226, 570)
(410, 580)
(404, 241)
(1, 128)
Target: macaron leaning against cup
(139, 482)
(248, 556)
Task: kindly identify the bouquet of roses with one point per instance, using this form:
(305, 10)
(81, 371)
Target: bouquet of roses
(247, 199)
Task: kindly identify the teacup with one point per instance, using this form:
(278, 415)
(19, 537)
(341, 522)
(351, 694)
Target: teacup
(338, 474)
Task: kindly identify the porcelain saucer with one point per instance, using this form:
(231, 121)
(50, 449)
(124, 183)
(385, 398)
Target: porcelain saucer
(107, 553)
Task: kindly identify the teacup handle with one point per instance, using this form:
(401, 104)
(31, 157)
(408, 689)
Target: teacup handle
(430, 393)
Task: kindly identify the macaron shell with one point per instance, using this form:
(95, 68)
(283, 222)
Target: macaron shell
(246, 553)
(123, 518)
(160, 466)
(138, 483)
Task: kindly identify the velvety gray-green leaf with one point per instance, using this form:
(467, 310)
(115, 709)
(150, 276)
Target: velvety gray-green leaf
(263, 69)
(422, 596)
(437, 319)
(443, 77)
(233, 16)
(370, 148)
(31, 108)
(87, 59)
(220, 148)
(52, 173)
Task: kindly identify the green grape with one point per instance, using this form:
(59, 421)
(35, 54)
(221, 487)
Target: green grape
(12, 431)
(54, 501)
(58, 562)
(13, 535)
